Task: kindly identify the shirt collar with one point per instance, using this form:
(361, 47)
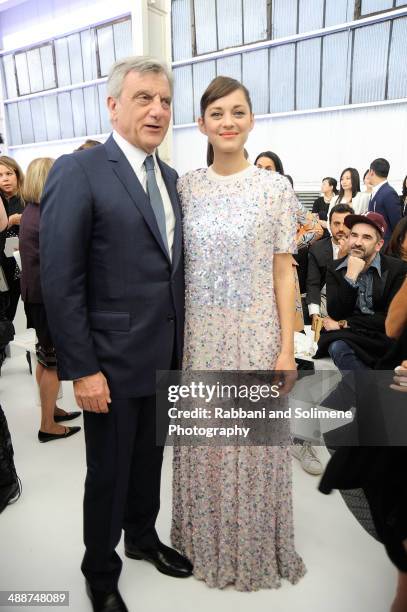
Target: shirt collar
(376, 264)
(135, 155)
(376, 189)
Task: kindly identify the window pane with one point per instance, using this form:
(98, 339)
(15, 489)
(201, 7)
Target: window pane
(75, 58)
(10, 77)
(284, 18)
(34, 70)
(106, 49)
(401, 3)
(26, 124)
(338, 11)
(254, 20)
(370, 63)
(122, 39)
(183, 95)
(65, 115)
(62, 61)
(91, 110)
(181, 29)
(311, 15)
(205, 26)
(105, 125)
(308, 73)
(38, 116)
(335, 69)
(22, 73)
(78, 112)
(397, 64)
(230, 66)
(51, 117)
(373, 6)
(203, 73)
(48, 68)
(90, 70)
(230, 22)
(13, 121)
(282, 69)
(255, 63)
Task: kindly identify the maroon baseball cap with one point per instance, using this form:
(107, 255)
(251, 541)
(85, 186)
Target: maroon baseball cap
(371, 218)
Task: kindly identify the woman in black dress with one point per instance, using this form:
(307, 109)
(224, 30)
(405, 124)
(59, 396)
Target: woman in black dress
(11, 184)
(321, 204)
(31, 293)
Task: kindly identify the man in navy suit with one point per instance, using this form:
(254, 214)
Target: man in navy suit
(112, 275)
(384, 198)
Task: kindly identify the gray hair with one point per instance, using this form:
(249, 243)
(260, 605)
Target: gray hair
(134, 63)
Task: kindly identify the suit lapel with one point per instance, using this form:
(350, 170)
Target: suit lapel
(172, 192)
(125, 173)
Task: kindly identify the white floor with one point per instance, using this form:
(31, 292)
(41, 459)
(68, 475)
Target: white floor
(41, 535)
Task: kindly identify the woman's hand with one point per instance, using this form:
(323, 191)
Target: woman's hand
(14, 219)
(286, 372)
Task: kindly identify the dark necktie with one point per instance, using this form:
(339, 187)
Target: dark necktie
(155, 198)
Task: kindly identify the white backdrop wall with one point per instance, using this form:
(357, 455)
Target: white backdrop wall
(315, 145)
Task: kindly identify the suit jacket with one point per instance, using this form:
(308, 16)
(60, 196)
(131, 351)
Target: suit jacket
(114, 300)
(365, 333)
(29, 247)
(319, 256)
(387, 202)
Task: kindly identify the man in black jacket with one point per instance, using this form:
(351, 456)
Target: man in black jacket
(360, 288)
(384, 199)
(321, 254)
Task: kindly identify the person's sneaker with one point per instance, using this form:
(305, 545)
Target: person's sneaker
(308, 458)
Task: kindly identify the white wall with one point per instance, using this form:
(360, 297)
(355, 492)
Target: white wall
(315, 145)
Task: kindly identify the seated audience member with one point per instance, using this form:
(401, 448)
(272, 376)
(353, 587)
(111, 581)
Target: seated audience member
(321, 254)
(321, 204)
(31, 294)
(349, 192)
(384, 198)
(269, 161)
(359, 290)
(398, 242)
(366, 182)
(403, 198)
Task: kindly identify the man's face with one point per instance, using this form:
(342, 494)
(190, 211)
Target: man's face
(337, 226)
(142, 112)
(364, 241)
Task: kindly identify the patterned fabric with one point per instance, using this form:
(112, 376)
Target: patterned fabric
(232, 505)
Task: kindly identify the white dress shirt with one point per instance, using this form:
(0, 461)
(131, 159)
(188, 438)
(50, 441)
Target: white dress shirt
(376, 189)
(136, 158)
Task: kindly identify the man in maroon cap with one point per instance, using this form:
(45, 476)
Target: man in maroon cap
(359, 290)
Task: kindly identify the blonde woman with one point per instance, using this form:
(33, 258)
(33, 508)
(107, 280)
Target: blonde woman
(46, 374)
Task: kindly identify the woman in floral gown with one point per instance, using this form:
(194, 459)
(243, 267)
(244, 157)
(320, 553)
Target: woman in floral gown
(232, 505)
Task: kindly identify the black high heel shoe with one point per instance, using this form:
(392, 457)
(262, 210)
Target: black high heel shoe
(47, 437)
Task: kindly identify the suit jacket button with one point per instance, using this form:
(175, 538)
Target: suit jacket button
(171, 318)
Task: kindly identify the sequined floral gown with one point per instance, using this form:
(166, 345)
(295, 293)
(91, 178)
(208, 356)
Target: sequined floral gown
(232, 505)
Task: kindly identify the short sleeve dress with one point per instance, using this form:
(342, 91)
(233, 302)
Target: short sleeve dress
(232, 505)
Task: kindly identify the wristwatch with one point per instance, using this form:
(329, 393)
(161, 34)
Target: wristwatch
(342, 323)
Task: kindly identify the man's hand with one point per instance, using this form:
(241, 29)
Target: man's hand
(343, 247)
(400, 378)
(314, 319)
(355, 267)
(92, 393)
(329, 324)
(14, 219)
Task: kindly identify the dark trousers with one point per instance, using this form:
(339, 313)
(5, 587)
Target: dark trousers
(122, 487)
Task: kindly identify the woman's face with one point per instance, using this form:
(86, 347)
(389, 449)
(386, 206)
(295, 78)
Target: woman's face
(346, 180)
(326, 188)
(8, 181)
(227, 123)
(266, 163)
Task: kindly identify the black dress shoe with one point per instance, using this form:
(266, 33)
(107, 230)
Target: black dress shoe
(47, 437)
(167, 560)
(66, 417)
(106, 601)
